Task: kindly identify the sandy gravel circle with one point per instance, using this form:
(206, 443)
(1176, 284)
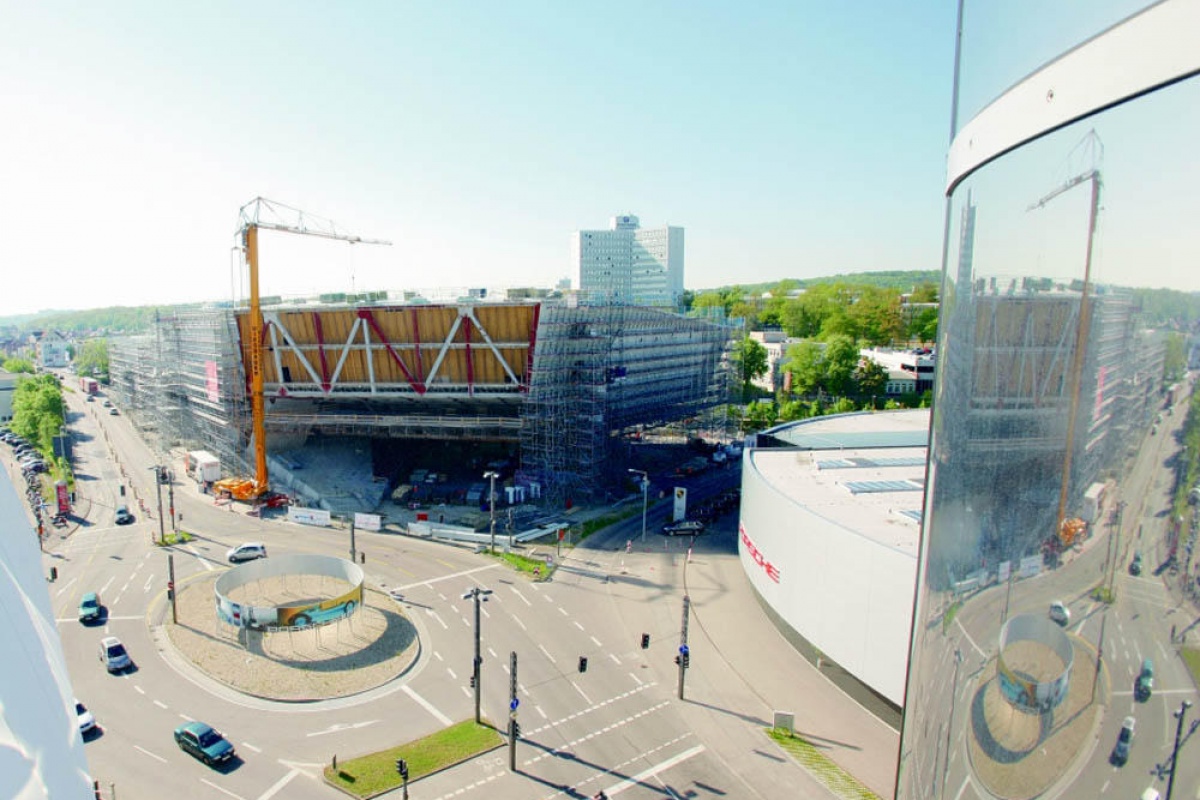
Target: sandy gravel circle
(375, 645)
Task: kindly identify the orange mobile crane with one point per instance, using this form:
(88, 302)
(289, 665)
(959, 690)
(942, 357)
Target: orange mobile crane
(263, 213)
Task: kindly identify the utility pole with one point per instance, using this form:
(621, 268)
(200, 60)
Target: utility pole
(492, 475)
(479, 595)
(514, 727)
(684, 656)
(171, 503)
(171, 587)
(353, 554)
(645, 486)
(162, 529)
(1179, 715)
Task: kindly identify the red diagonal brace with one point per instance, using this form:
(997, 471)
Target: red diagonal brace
(365, 314)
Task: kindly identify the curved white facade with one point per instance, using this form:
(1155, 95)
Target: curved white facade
(839, 567)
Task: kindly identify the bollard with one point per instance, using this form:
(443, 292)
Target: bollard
(362, 557)
(53, 573)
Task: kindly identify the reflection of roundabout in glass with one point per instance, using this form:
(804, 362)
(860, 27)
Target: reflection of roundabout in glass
(242, 602)
(1032, 708)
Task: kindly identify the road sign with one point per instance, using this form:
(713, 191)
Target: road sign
(512, 705)
(683, 649)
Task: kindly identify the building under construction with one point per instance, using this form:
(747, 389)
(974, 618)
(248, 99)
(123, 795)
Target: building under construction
(559, 386)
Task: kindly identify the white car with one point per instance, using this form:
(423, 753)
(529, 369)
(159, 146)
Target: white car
(87, 722)
(113, 655)
(1060, 613)
(247, 552)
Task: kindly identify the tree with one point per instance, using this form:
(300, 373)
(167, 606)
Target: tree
(759, 416)
(750, 359)
(806, 365)
(924, 325)
(18, 365)
(93, 358)
(870, 378)
(924, 293)
(841, 360)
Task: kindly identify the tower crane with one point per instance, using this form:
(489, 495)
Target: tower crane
(269, 215)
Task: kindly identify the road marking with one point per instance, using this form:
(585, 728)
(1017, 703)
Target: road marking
(160, 704)
(517, 620)
(545, 597)
(199, 557)
(636, 679)
(279, 784)
(585, 697)
(978, 649)
(466, 691)
(507, 671)
(563, 611)
(493, 653)
(485, 613)
(147, 752)
(432, 581)
(616, 660)
(452, 675)
(596, 642)
(963, 788)
(65, 586)
(104, 588)
(577, 624)
(518, 594)
(139, 689)
(547, 652)
(439, 655)
(428, 706)
(146, 588)
(466, 621)
(434, 614)
(248, 746)
(539, 710)
(338, 727)
(661, 766)
(221, 789)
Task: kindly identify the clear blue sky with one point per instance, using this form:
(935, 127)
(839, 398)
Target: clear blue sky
(790, 139)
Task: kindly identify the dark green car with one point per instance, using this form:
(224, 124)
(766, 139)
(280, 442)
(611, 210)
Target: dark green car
(89, 607)
(204, 743)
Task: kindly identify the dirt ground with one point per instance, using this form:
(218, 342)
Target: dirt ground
(367, 650)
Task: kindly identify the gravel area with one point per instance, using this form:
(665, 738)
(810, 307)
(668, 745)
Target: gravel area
(367, 650)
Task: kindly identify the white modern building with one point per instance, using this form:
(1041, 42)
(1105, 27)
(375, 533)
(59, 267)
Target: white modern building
(41, 750)
(628, 264)
(829, 533)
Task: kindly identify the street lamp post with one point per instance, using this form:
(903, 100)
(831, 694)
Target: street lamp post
(1179, 715)
(645, 487)
(479, 595)
(492, 475)
(162, 530)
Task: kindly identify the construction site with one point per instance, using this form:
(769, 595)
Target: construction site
(346, 406)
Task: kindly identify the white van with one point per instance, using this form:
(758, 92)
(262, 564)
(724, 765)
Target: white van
(247, 552)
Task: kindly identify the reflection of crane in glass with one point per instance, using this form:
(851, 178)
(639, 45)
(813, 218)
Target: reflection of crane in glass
(262, 213)
(1091, 143)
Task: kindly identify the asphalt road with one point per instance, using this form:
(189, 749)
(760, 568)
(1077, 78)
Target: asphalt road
(618, 727)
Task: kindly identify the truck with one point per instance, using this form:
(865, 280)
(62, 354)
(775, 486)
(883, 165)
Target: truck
(89, 386)
(203, 466)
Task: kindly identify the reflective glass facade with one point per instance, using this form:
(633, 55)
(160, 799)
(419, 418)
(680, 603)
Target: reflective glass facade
(1057, 563)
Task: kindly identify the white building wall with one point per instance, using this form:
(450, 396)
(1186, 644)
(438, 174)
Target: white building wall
(628, 264)
(848, 595)
(41, 751)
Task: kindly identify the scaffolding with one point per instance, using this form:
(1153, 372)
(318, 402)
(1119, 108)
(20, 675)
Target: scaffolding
(594, 375)
(602, 371)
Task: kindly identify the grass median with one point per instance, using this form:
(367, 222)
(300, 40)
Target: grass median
(371, 774)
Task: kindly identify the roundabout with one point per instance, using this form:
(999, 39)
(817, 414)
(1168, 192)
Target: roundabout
(362, 640)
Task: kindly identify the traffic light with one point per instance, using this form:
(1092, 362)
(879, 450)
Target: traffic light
(516, 730)
(583, 663)
(402, 768)
(686, 658)
(678, 659)
(472, 681)
(122, 490)
(645, 641)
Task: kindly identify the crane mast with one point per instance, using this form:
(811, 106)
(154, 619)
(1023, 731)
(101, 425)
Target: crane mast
(269, 215)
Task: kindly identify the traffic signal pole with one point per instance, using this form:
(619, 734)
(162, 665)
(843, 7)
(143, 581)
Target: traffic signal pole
(684, 654)
(171, 587)
(514, 728)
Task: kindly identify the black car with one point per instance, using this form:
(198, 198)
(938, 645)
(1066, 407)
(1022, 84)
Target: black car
(123, 515)
(1135, 566)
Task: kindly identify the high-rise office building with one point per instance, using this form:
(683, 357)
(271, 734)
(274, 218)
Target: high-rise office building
(628, 264)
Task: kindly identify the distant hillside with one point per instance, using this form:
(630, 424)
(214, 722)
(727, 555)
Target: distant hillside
(902, 280)
(116, 319)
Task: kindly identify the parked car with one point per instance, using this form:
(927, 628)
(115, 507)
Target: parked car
(1135, 566)
(1060, 613)
(1120, 753)
(113, 654)
(1143, 687)
(686, 527)
(123, 516)
(113, 411)
(204, 743)
(89, 607)
(87, 722)
(247, 552)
